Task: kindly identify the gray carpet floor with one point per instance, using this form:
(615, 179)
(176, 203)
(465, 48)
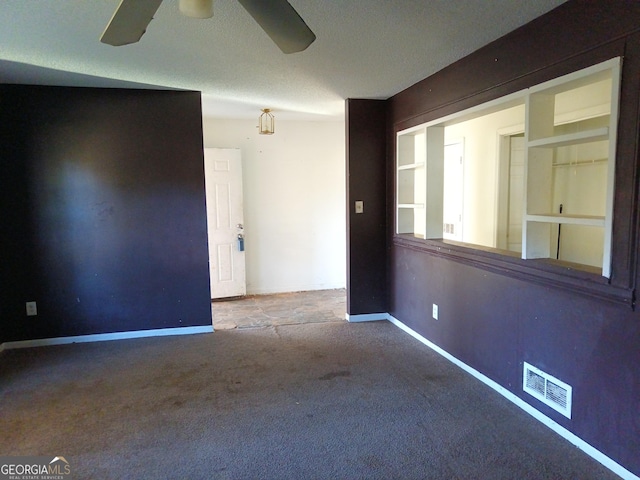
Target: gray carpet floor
(313, 401)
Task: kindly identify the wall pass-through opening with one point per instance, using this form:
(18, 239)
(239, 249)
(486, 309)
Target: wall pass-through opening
(553, 196)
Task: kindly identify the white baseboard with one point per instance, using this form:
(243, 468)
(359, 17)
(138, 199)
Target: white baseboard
(366, 317)
(104, 337)
(560, 430)
(293, 288)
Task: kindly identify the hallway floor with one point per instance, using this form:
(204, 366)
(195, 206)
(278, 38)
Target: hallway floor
(316, 306)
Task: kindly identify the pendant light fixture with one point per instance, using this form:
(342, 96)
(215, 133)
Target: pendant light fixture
(196, 8)
(266, 123)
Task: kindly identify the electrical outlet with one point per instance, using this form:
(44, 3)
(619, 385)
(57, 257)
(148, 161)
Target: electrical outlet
(435, 311)
(32, 309)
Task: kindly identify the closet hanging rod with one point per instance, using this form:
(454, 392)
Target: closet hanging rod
(581, 163)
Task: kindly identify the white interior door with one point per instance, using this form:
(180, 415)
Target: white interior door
(516, 194)
(225, 220)
(453, 191)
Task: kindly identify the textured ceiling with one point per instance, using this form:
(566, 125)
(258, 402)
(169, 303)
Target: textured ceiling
(364, 49)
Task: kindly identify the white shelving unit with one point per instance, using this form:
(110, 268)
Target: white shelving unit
(545, 139)
(419, 176)
(410, 179)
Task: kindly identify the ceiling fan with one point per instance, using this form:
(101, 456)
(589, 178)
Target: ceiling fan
(277, 18)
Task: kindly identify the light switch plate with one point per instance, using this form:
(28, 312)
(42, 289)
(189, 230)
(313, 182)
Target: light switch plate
(32, 309)
(359, 206)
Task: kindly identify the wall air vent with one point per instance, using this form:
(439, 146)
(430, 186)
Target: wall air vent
(549, 390)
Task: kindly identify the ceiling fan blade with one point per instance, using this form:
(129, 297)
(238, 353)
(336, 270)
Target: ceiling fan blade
(129, 22)
(281, 22)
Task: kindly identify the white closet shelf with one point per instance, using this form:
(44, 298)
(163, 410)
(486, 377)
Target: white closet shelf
(586, 136)
(411, 166)
(411, 205)
(589, 220)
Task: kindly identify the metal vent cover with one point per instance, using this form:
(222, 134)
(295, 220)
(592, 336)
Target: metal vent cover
(548, 389)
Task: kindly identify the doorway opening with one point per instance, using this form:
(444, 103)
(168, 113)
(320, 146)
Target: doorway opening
(225, 222)
(292, 308)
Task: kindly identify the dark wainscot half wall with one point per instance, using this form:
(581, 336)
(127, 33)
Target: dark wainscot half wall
(495, 313)
(103, 219)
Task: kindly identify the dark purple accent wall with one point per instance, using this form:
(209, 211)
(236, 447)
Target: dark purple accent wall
(366, 181)
(103, 219)
(496, 313)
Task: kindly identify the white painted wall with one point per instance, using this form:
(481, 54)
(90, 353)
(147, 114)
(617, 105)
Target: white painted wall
(294, 202)
(481, 162)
